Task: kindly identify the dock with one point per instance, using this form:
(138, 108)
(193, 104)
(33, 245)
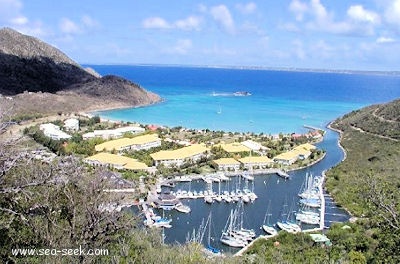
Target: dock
(313, 128)
(282, 174)
(317, 229)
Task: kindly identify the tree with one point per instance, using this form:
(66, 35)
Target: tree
(58, 205)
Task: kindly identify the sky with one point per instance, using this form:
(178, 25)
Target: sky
(312, 34)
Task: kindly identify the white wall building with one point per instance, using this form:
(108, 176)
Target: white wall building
(71, 124)
(114, 133)
(53, 131)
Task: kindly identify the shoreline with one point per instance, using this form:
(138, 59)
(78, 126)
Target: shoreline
(329, 126)
(117, 107)
(340, 132)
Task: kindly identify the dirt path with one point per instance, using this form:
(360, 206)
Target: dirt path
(381, 118)
(372, 134)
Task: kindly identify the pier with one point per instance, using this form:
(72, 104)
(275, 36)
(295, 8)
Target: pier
(313, 128)
(321, 222)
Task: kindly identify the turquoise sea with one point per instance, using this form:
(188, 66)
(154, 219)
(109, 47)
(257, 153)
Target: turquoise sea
(280, 101)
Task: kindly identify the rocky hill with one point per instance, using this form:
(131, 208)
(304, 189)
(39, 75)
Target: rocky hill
(28, 64)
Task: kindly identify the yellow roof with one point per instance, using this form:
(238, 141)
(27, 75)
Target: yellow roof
(303, 149)
(182, 153)
(135, 165)
(227, 161)
(306, 146)
(120, 143)
(287, 155)
(260, 159)
(145, 139)
(234, 147)
(117, 160)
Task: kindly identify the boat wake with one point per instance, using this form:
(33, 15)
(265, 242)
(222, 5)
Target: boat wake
(240, 93)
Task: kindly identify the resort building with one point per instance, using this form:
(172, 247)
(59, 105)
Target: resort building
(113, 133)
(116, 161)
(53, 131)
(261, 162)
(235, 147)
(300, 152)
(227, 164)
(137, 143)
(286, 158)
(255, 146)
(71, 124)
(304, 150)
(178, 157)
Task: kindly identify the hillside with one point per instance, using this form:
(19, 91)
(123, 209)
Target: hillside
(28, 64)
(371, 137)
(367, 182)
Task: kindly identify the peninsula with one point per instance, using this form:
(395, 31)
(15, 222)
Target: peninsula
(38, 78)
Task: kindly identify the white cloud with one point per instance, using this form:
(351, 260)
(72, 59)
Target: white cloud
(319, 11)
(182, 47)
(385, 40)
(20, 20)
(202, 8)
(89, 22)
(323, 50)
(291, 27)
(358, 21)
(248, 8)
(9, 10)
(299, 49)
(358, 13)
(190, 23)
(298, 8)
(68, 26)
(11, 15)
(222, 15)
(218, 51)
(392, 14)
(156, 23)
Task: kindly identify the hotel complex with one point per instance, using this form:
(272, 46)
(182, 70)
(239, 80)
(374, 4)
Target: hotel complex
(298, 153)
(191, 153)
(178, 157)
(137, 143)
(115, 161)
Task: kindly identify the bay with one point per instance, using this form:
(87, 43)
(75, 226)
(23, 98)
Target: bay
(280, 101)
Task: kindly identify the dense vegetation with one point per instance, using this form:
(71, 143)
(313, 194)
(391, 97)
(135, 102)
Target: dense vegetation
(367, 183)
(347, 241)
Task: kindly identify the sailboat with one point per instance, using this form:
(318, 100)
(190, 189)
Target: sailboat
(208, 198)
(228, 237)
(284, 224)
(209, 249)
(249, 234)
(219, 110)
(218, 197)
(269, 229)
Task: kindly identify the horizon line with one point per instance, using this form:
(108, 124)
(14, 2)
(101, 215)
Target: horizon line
(292, 69)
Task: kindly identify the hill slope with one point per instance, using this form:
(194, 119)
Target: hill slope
(29, 64)
(371, 137)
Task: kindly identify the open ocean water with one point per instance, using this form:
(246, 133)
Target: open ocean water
(280, 101)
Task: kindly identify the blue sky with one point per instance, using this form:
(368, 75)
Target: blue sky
(334, 34)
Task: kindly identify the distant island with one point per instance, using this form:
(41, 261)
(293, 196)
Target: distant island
(265, 68)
